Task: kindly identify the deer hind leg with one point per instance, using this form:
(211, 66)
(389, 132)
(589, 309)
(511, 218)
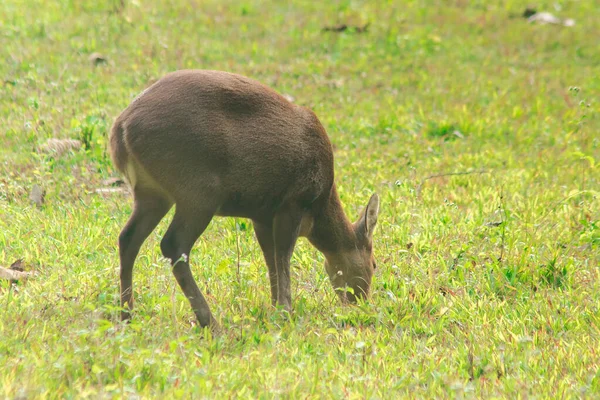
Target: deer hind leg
(185, 229)
(286, 228)
(148, 209)
(264, 234)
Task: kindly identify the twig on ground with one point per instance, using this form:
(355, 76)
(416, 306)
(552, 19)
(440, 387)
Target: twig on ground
(420, 185)
(504, 215)
(13, 275)
(237, 245)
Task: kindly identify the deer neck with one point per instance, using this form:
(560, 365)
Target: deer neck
(331, 229)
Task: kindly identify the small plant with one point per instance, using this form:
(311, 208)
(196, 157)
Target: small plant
(92, 134)
(553, 274)
(444, 130)
(86, 132)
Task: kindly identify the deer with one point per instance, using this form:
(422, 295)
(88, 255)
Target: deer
(214, 143)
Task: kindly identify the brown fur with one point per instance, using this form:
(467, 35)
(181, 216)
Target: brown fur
(215, 143)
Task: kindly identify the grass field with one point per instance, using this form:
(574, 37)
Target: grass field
(479, 131)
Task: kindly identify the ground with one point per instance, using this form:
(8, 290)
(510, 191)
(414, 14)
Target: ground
(478, 130)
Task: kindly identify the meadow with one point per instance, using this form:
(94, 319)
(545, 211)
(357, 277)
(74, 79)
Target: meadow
(478, 130)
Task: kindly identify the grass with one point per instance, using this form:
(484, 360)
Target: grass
(478, 130)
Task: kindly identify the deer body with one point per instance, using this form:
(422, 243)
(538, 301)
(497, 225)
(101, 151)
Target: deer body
(215, 143)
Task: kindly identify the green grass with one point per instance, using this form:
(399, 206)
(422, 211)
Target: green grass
(488, 282)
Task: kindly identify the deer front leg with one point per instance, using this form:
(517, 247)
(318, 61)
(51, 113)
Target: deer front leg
(264, 234)
(286, 228)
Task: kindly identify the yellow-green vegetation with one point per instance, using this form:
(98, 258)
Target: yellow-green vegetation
(479, 130)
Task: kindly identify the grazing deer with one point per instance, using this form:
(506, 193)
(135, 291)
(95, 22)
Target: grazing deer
(216, 143)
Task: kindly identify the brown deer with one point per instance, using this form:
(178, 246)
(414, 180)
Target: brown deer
(216, 143)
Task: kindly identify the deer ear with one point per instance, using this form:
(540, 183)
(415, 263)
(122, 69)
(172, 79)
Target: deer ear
(368, 220)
